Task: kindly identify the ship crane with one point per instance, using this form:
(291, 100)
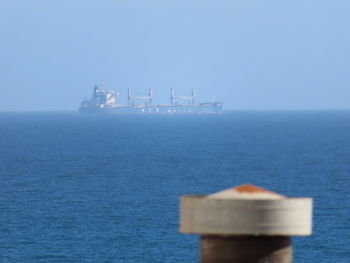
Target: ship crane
(148, 98)
(174, 98)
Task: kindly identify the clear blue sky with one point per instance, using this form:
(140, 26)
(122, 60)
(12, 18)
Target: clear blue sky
(249, 54)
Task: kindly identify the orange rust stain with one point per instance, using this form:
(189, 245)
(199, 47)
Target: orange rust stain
(252, 189)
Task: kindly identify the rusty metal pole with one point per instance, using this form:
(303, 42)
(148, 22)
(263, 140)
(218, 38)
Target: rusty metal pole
(246, 224)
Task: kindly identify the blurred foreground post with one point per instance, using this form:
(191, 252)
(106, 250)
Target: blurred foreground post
(245, 224)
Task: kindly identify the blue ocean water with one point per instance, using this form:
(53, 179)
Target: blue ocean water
(79, 188)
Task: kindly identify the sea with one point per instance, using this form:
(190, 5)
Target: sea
(99, 188)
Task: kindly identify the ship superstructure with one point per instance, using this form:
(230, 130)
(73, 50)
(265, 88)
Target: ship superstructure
(105, 101)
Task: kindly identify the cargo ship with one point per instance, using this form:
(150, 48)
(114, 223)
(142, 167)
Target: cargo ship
(105, 101)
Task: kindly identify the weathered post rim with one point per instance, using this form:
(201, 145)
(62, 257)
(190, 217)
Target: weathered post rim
(285, 216)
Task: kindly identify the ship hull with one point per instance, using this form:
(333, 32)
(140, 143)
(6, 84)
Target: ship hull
(156, 109)
(104, 102)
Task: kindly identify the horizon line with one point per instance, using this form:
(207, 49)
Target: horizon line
(227, 110)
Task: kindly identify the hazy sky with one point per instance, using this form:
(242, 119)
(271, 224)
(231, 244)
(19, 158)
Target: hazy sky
(249, 54)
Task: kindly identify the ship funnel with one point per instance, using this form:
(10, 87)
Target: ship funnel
(95, 90)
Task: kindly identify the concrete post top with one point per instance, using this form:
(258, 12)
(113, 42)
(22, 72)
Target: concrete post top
(246, 210)
(246, 191)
